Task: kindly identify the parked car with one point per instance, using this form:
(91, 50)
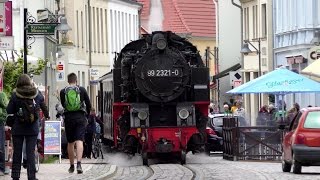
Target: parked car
(301, 144)
(214, 131)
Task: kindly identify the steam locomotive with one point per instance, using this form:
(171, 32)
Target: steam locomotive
(155, 100)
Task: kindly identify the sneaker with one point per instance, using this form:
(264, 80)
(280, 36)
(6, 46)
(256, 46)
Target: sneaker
(24, 163)
(79, 169)
(7, 170)
(71, 169)
(1, 173)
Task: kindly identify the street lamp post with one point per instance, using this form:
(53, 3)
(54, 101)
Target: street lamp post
(245, 50)
(61, 27)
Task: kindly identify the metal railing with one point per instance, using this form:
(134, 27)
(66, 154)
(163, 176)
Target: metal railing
(252, 142)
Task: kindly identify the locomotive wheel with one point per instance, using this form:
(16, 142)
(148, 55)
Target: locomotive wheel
(145, 159)
(183, 156)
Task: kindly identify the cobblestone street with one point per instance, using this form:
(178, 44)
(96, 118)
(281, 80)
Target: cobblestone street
(198, 167)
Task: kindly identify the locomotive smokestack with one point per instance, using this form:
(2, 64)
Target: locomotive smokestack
(156, 16)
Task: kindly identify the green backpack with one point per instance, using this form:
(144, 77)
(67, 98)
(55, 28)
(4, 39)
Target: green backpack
(72, 98)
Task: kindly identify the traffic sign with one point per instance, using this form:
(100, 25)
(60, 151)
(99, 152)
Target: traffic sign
(236, 83)
(41, 29)
(235, 76)
(60, 76)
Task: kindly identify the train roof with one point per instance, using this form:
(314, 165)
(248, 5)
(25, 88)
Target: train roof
(105, 76)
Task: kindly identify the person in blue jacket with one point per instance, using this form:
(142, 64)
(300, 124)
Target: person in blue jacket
(25, 127)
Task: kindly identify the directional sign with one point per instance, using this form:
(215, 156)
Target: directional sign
(41, 29)
(94, 72)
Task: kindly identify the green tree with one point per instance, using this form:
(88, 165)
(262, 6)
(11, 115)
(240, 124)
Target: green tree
(13, 69)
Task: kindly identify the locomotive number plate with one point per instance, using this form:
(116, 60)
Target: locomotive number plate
(163, 73)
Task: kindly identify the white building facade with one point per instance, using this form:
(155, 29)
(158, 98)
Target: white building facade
(257, 27)
(295, 26)
(228, 40)
(114, 23)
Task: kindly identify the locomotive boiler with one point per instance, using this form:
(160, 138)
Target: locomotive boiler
(155, 100)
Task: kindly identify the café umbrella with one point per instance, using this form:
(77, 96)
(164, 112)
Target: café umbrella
(280, 81)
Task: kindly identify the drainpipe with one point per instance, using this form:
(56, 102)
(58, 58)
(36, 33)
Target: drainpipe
(216, 55)
(217, 21)
(90, 54)
(241, 29)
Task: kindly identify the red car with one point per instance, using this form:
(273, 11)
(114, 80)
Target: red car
(301, 144)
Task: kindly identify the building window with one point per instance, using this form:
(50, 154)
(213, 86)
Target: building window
(79, 77)
(130, 27)
(82, 29)
(264, 20)
(77, 21)
(101, 27)
(246, 23)
(118, 34)
(122, 30)
(98, 31)
(87, 26)
(106, 27)
(93, 39)
(116, 30)
(255, 21)
(83, 78)
(112, 32)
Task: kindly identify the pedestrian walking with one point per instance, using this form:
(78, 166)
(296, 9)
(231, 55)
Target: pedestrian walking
(90, 130)
(3, 116)
(76, 104)
(44, 108)
(25, 105)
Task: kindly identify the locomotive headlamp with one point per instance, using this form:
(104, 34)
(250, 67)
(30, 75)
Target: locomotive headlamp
(184, 114)
(142, 115)
(161, 43)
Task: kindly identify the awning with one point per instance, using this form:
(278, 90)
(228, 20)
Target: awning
(312, 71)
(226, 72)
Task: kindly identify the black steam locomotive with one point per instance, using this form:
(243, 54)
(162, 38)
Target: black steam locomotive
(155, 99)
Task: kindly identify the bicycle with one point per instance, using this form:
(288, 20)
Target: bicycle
(97, 146)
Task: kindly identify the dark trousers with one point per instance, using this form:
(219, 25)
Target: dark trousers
(2, 147)
(88, 144)
(17, 155)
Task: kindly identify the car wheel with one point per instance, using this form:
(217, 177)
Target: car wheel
(286, 167)
(296, 165)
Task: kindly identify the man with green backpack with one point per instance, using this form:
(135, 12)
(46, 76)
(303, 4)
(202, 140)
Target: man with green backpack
(76, 103)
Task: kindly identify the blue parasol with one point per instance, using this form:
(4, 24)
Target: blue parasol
(280, 81)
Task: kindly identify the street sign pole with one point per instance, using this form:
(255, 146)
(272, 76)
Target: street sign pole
(25, 43)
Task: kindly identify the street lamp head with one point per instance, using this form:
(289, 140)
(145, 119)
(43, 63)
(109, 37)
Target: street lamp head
(245, 49)
(316, 39)
(63, 27)
(59, 52)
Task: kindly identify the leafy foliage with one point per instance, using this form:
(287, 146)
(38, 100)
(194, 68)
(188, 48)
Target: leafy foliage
(13, 69)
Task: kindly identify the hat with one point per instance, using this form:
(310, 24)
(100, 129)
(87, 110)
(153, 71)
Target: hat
(226, 106)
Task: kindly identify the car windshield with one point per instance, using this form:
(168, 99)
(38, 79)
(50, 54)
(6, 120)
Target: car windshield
(218, 121)
(312, 120)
